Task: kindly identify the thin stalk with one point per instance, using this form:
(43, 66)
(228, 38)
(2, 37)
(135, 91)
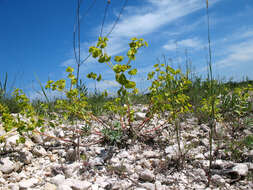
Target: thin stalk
(212, 94)
(178, 138)
(79, 46)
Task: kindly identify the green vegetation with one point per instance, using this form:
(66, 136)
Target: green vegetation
(171, 91)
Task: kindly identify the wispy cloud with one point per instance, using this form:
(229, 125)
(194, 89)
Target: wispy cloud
(161, 12)
(234, 53)
(103, 85)
(238, 54)
(194, 43)
(136, 23)
(154, 15)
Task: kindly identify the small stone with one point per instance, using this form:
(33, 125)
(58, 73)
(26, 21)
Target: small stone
(37, 139)
(12, 140)
(199, 156)
(123, 154)
(204, 127)
(140, 116)
(147, 175)
(14, 177)
(7, 166)
(50, 186)
(172, 151)
(149, 186)
(96, 162)
(71, 155)
(39, 151)
(151, 154)
(250, 166)
(218, 180)
(123, 184)
(58, 179)
(26, 157)
(64, 187)
(28, 143)
(2, 131)
(94, 187)
(13, 186)
(2, 180)
(79, 185)
(158, 185)
(72, 169)
(250, 155)
(241, 169)
(25, 184)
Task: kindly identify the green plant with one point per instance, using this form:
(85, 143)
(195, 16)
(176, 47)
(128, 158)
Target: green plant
(75, 105)
(113, 135)
(167, 94)
(86, 130)
(23, 122)
(123, 73)
(236, 148)
(97, 101)
(211, 101)
(3, 87)
(236, 103)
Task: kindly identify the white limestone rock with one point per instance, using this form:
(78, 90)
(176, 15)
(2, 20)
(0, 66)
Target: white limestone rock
(78, 184)
(7, 166)
(27, 183)
(50, 186)
(58, 179)
(140, 116)
(241, 169)
(147, 175)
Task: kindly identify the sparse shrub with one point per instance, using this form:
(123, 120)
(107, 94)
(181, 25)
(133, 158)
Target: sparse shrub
(113, 135)
(236, 148)
(167, 94)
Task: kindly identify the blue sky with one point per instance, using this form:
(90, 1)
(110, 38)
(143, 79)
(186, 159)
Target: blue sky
(36, 38)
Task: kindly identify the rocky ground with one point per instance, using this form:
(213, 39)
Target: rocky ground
(47, 163)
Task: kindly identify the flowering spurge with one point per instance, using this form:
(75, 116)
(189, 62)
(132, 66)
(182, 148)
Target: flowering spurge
(167, 94)
(25, 121)
(123, 72)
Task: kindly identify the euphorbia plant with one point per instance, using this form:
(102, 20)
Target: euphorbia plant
(167, 94)
(23, 122)
(235, 105)
(75, 105)
(123, 73)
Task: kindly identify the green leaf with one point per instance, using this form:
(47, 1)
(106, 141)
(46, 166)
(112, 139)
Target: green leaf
(101, 59)
(121, 78)
(132, 72)
(92, 75)
(130, 84)
(70, 70)
(105, 93)
(118, 58)
(71, 76)
(117, 68)
(99, 78)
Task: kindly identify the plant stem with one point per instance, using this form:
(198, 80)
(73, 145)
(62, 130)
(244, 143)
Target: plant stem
(212, 96)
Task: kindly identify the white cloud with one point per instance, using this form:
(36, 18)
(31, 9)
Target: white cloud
(170, 46)
(238, 54)
(193, 43)
(161, 12)
(135, 22)
(104, 85)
